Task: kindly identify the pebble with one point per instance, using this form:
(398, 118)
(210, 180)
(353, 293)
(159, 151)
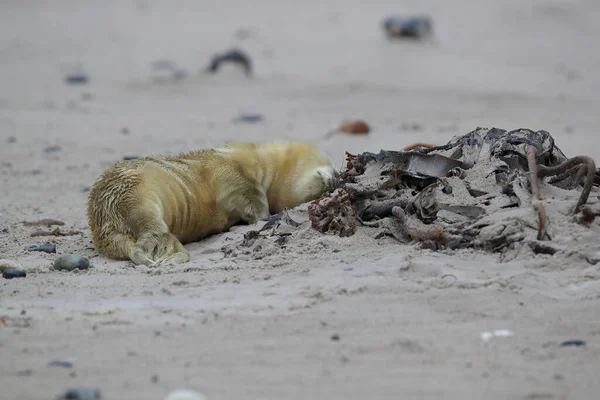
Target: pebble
(128, 158)
(46, 248)
(184, 394)
(10, 273)
(80, 393)
(12, 139)
(71, 262)
(573, 342)
(52, 149)
(58, 363)
(250, 117)
(335, 337)
(355, 126)
(77, 79)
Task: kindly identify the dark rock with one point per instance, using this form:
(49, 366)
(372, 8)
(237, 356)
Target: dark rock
(234, 56)
(4, 230)
(46, 248)
(77, 79)
(414, 27)
(573, 342)
(250, 117)
(335, 337)
(80, 393)
(71, 262)
(58, 363)
(52, 149)
(11, 273)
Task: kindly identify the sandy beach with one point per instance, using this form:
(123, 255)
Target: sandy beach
(322, 317)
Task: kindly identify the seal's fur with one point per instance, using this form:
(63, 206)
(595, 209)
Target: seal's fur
(144, 209)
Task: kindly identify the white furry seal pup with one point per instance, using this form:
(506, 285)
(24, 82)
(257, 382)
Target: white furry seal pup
(145, 209)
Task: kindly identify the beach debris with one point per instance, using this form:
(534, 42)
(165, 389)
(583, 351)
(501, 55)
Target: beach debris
(248, 118)
(44, 222)
(274, 221)
(355, 126)
(55, 232)
(480, 190)
(71, 262)
(80, 393)
(335, 337)
(128, 158)
(45, 248)
(185, 394)
(412, 27)
(10, 273)
(487, 335)
(61, 364)
(52, 149)
(234, 56)
(78, 78)
(573, 342)
(334, 213)
(351, 126)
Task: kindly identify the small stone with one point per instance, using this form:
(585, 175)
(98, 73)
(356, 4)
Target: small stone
(125, 130)
(46, 248)
(80, 393)
(12, 139)
(127, 158)
(71, 262)
(335, 337)
(11, 273)
(249, 117)
(52, 149)
(184, 394)
(76, 79)
(354, 126)
(154, 378)
(573, 342)
(59, 363)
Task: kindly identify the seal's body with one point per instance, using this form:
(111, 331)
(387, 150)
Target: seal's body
(144, 209)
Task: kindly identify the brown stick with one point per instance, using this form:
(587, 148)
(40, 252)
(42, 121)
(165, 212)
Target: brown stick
(55, 232)
(535, 191)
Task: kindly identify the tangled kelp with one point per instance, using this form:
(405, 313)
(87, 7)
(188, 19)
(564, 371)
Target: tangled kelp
(480, 190)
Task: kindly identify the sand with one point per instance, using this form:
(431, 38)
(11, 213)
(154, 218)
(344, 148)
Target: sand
(320, 317)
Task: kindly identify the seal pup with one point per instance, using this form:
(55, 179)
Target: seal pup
(146, 209)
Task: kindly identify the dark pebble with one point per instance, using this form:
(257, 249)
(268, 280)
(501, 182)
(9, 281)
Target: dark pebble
(58, 363)
(573, 342)
(335, 337)
(4, 230)
(71, 262)
(80, 393)
(127, 158)
(77, 79)
(10, 273)
(46, 248)
(52, 149)
(249, 118)
(12, 139)
(125, 131)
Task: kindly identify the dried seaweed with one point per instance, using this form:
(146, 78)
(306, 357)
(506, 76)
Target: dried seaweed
(480, 190)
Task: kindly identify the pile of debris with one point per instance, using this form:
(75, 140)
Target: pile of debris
(489, 189)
